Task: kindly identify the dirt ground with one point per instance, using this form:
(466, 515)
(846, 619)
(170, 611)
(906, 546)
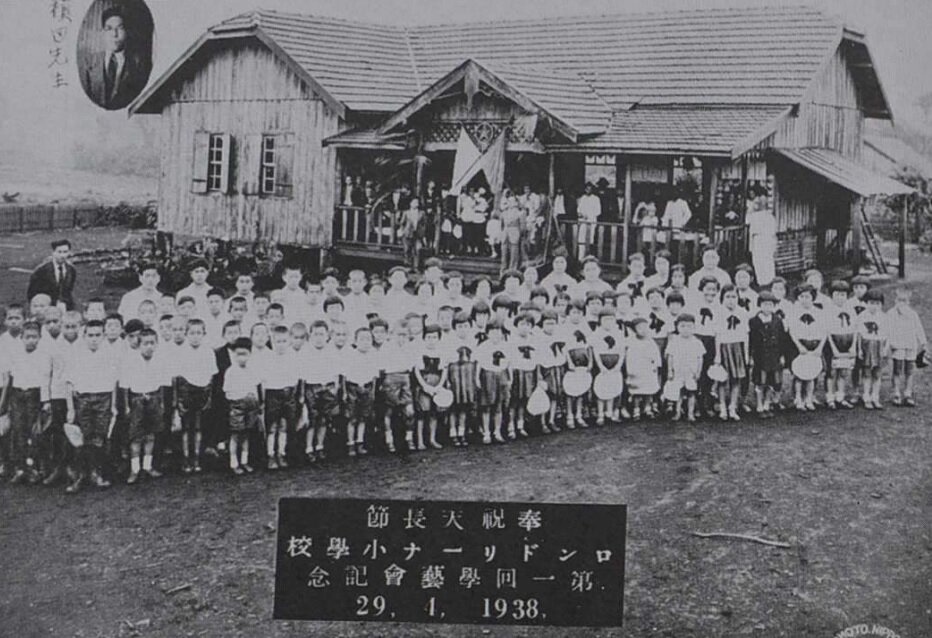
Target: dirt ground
(850, 491)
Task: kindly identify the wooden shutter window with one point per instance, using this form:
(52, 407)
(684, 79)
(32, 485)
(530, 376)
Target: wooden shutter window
(284, 165)
(226, 165)
(200, 162)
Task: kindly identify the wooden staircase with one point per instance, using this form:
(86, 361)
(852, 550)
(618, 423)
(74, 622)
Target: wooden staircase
(873, 247)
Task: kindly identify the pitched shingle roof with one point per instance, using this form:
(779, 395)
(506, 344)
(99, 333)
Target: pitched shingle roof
(692, 129)
(580, 68)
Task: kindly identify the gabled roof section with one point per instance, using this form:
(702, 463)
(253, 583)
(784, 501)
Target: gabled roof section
(566, 99)
(758, 56)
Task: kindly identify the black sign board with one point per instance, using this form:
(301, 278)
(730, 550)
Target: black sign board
(450, 562)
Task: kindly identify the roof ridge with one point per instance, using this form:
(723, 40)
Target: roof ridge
(413, 29)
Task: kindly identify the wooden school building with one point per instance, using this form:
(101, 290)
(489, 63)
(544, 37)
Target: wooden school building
(267, 113)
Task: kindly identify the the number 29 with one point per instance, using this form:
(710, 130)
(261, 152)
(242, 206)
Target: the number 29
(366, 606)
(520, 609)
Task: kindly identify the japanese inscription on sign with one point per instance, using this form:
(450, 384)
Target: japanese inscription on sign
(450, 562)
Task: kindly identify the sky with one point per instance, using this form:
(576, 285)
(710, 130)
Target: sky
(46, 122)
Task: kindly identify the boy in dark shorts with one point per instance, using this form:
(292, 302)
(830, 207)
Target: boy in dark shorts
(242, 388)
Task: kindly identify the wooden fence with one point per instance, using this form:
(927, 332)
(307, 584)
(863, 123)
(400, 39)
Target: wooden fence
(611, 242)
(35, 217)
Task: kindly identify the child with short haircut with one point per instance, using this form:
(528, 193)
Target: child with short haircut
(281, 378)
(594, 306)
(859, 287)
(558, 281)
(261, 345)
(238, 309)
(96, 310)
(461, 372)
(26, 396)
(634, 282)
(659, 320)
(321, 376)
(198, 289)
(166, 334)
(186, 307)
(684, 357)
(91, 376)
(292, 296)
(214, 317)
(561, 304)
(783, 307)
(661, 277)
(298, 335)
(493, 379)
(359, 374)
(195, 369)
(244, 286)
(642, 358)
(731, 352)
(552, 362)
(808, 332)
(379, 329)
(747, 296)
(143, 379)
(608, 350)
(113, 331)
(907, 345)
(147, 312)
(766, 345)
(166, 305)
(706, 312)
(839, 352)
(816, 280)
(430, 372)
(678, 286)
(242, 387)
(522, 354)
(873, 348)
(275, 315)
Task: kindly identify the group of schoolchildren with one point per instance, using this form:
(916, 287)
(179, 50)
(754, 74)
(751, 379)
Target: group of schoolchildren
(293, 375)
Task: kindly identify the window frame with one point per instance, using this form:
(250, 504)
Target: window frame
(268, 165)
(216, 158)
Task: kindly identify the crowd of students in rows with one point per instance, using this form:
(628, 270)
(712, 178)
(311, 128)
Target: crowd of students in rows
(408, 362)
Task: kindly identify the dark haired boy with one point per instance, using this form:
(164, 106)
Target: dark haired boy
(194, 375)
(145, 378)
(242, 387)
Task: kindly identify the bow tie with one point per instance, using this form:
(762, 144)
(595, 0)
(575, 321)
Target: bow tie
(845, 318)
(733, 322)
(706, 315)
(526, 351)
(807, 319)
(744, 302)
(872, 327)
(610, 341)
(656, 323)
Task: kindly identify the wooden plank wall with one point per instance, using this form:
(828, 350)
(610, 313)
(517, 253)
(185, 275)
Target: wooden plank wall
(829, 115)
(242, 89)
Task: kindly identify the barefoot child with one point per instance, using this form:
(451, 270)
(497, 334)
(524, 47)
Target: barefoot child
(242, 387)
(195, 370)
(766, 339)
(907, 341)
(430, 372)
(731, 352)
(493, 380)
(281, 378)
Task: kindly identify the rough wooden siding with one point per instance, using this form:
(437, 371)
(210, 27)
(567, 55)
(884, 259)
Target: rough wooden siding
(829, 115)
(796, 195)
(243, 90)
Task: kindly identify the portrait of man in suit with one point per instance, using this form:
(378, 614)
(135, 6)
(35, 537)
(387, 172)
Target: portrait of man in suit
(116, 71)
(55, 277)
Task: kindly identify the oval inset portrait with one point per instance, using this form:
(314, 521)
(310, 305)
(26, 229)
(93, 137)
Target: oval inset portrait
(115, 51)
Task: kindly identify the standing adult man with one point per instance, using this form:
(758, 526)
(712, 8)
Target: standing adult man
(148, 281)
(55, 277)
(589, 209)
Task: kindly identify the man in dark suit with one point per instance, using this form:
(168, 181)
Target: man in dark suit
(55, 277)
(114, 77)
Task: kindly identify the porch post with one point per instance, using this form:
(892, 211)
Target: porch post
(626, 229)
(857, 206)
(713, 189)
(552, 178)
(904, 223)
